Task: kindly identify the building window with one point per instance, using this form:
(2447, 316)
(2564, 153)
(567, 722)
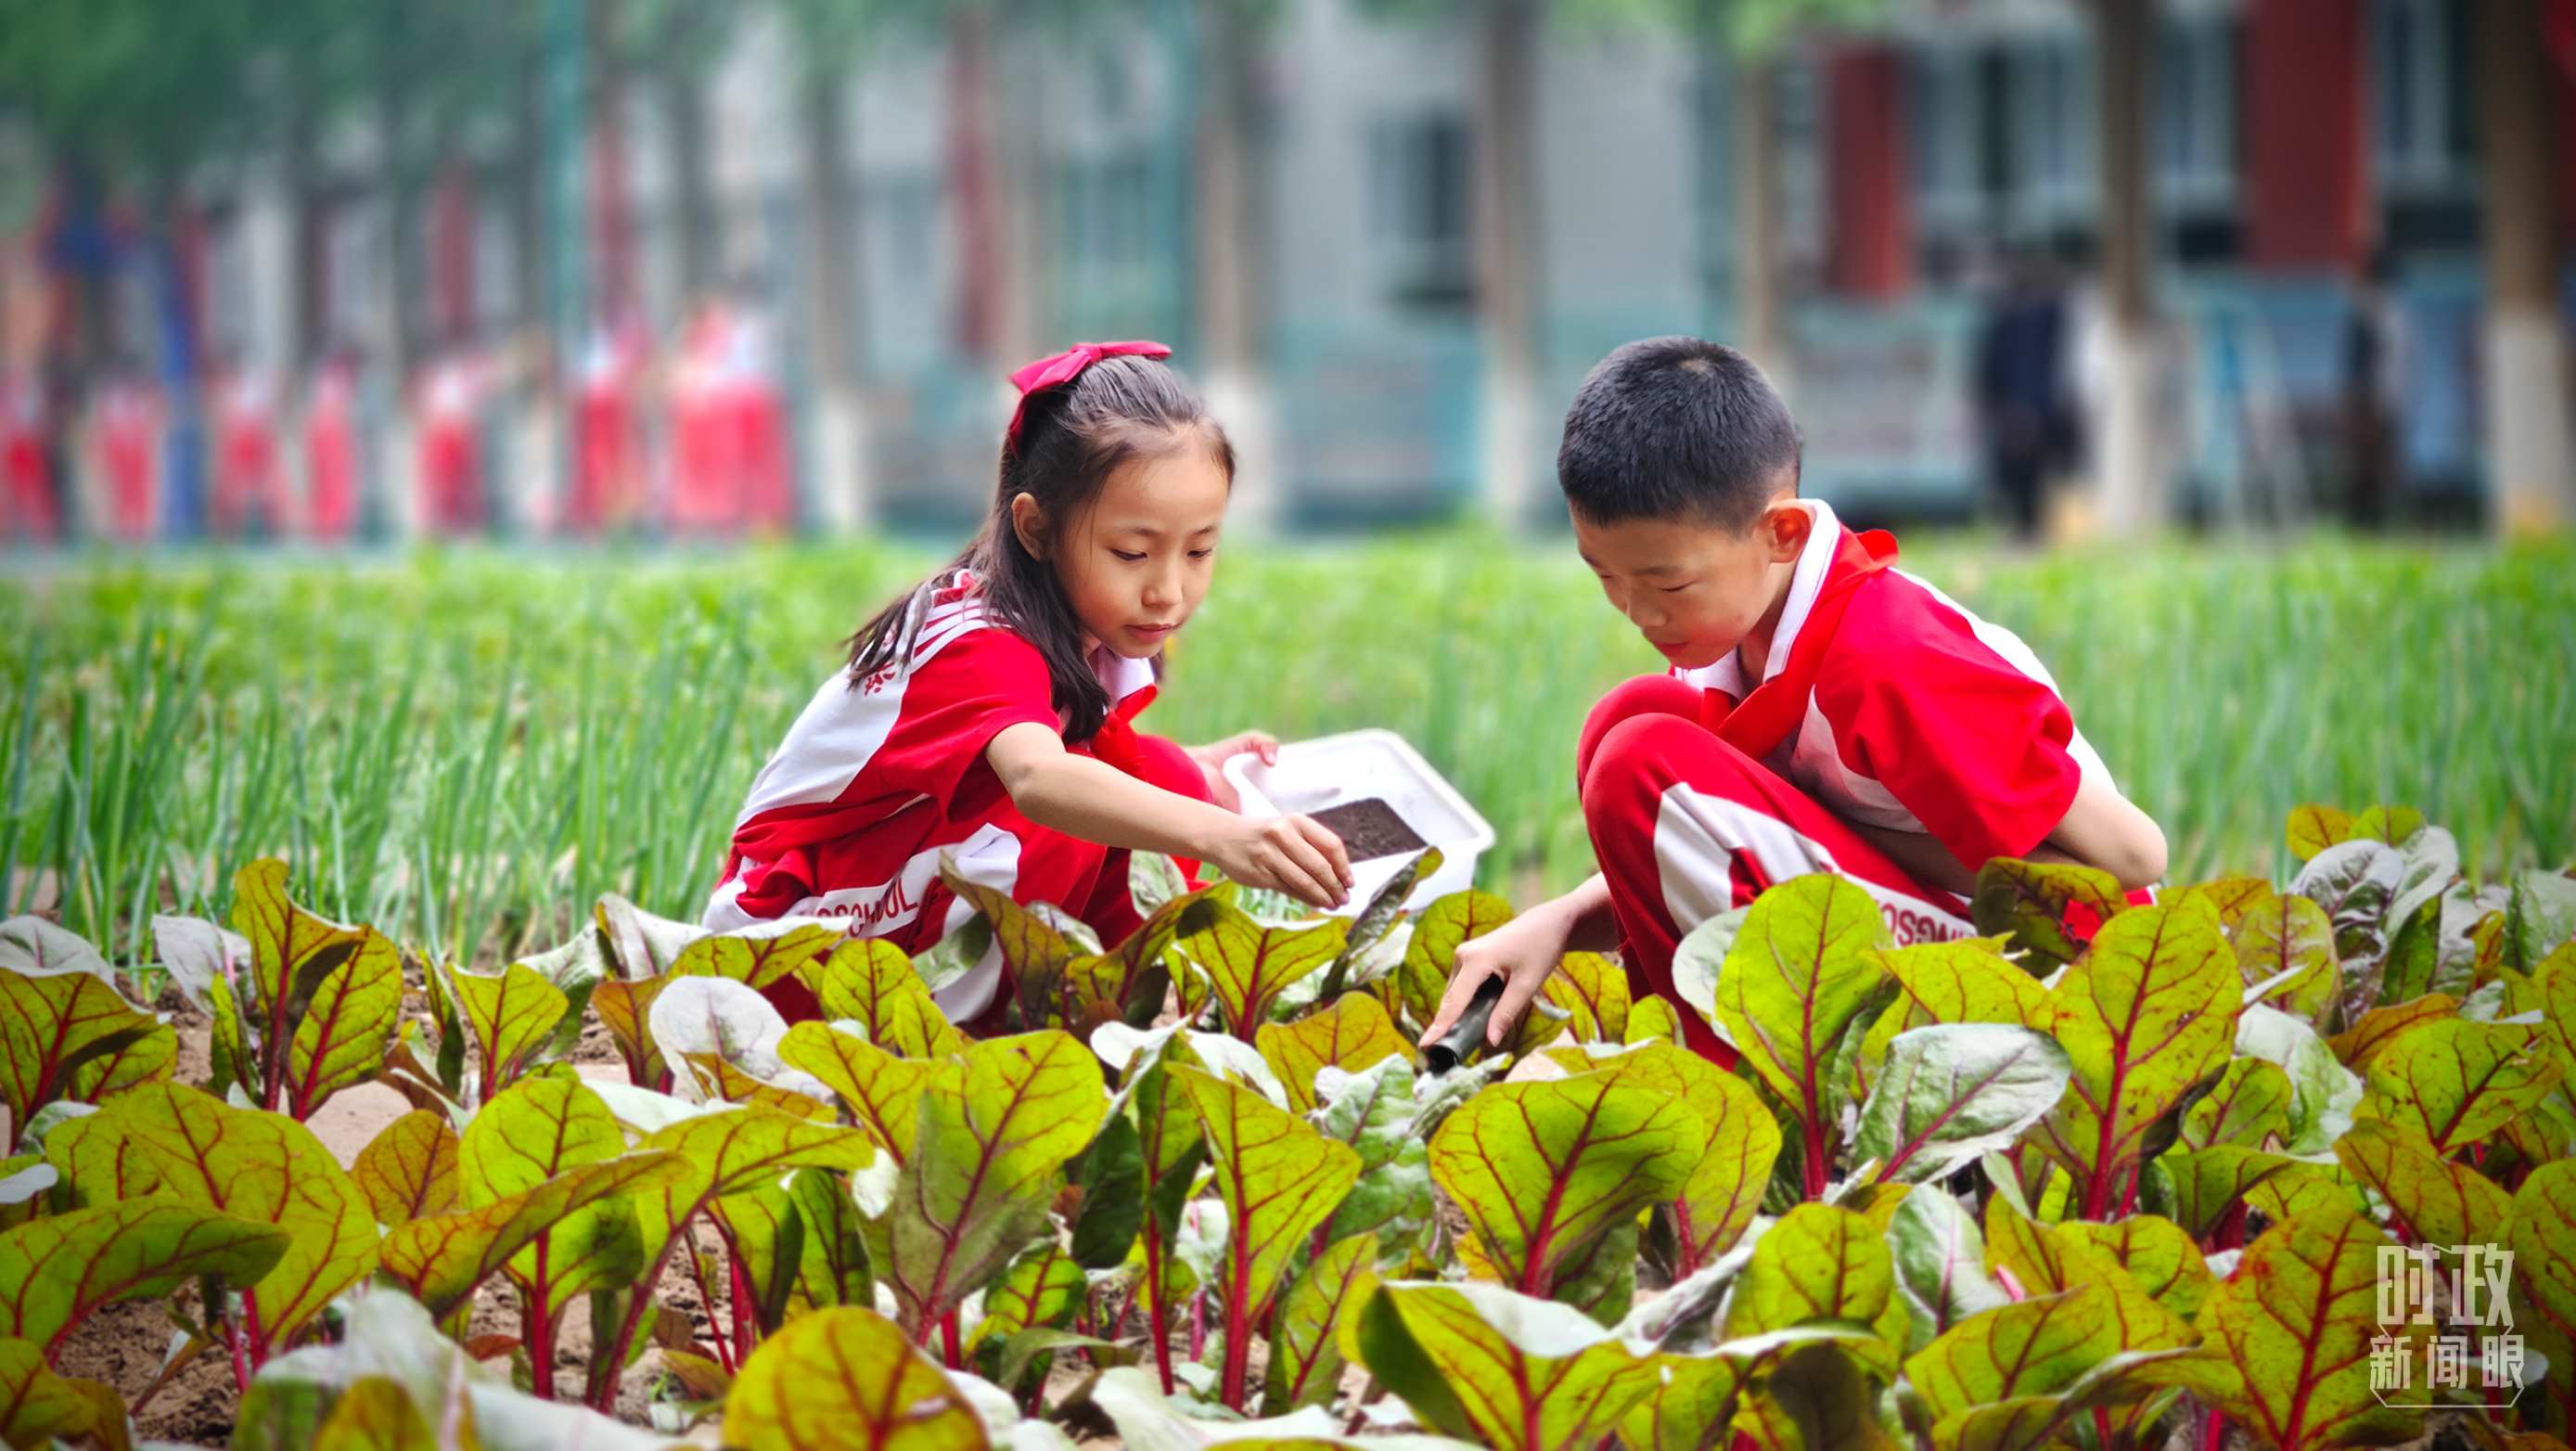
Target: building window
(1111, 229)
(1798, 126)
(905, 279)
(2055, 132)
(2418, 112)
(1418, 217)
(495, 265)
(2195, 113)
(1942, 115)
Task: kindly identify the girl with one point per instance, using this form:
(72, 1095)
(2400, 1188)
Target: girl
(986, 715)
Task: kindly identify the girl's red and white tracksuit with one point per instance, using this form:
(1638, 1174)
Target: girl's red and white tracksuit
(881, 777)
(1882, 702)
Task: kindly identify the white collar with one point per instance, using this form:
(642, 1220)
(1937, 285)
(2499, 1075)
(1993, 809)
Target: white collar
(1807, 581)
(1119, 675)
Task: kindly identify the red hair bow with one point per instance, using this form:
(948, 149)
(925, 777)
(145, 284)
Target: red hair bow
(1066, 366)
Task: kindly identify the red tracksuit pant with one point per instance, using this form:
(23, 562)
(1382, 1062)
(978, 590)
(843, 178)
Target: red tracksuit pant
(1687, 827)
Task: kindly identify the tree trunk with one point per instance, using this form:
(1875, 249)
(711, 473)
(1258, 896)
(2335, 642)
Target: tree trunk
(1023, 197)
(987, 281)
(1761, 288)
(832, 275)
(528, 200)
(831, 242)
(1231, 261)
(612, 218)
(2529, 464)
(396, 164)
(2131, 475)
(684, 99)
(1228, 301)
(1505, 222)
(308, 333)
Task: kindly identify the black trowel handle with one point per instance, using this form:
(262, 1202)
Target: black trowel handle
(1467, 1034)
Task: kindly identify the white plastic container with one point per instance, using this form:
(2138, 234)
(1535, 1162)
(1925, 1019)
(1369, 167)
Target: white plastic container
(1354, 766)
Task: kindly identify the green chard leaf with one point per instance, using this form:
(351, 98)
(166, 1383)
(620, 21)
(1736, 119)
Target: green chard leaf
(293, 952)
(2144, 1016)
(56, 1269)
(36, 1405)
(868, 980)
(442, 1260)
(1543, 1170)
(2197, 1187)
(1500, 1369)
(1953, 1091)
(2543, 1236)
(408, 1170)
(986, 1160)
(846, 1377)
(1039, 1287)
(264, 1168)
(538, 1129)
(1377, 1113)
(1350, 1034)
(1940, 1260)
(52, 1022)
(879, 1092)
(835, 1270)
(1460, 917)
(2027, 901)
(1318, 1320)
(2249, 1108)
(2457, 1082)
(1968, 980)
(2054, 1257)
(1279, 1180)
(342, 1035)
(626, 1010)
(1822, 1263)
(512, 1017)
(1248, 965)
(759, 955)
(1799, 975)
(2296, 1318)
(2435, 1200)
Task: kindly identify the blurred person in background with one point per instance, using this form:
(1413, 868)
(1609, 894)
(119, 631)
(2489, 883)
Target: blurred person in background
(250, 480)
(126, 422)
(706, 480)
(2374, 365)
(2023, 412)
(729, 462)
(331, 469)
(608, 465)
(450, 447)
(759, 416)
(27, 506)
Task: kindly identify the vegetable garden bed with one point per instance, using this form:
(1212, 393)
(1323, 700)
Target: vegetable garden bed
(2025, 1190)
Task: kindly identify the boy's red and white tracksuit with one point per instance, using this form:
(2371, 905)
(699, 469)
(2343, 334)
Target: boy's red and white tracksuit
(1882, 701)
(879, 778)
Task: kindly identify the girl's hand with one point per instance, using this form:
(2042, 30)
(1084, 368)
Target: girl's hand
(1522, 952)
(1285, 854)
(1213, 756)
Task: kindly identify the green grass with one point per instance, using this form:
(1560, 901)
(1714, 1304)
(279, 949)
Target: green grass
(466, 749)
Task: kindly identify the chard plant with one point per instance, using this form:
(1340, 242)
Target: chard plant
(2110, 1176)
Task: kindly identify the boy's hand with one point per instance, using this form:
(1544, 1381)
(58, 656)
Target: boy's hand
(1522, 952)
(1285, 854)
(1213, 756)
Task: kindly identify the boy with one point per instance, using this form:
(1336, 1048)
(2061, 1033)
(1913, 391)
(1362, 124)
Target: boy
(1824, 712)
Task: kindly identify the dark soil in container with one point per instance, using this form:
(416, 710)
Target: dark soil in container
(1369, 829)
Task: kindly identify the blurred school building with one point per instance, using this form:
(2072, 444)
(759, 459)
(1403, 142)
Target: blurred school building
(1299, 209)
